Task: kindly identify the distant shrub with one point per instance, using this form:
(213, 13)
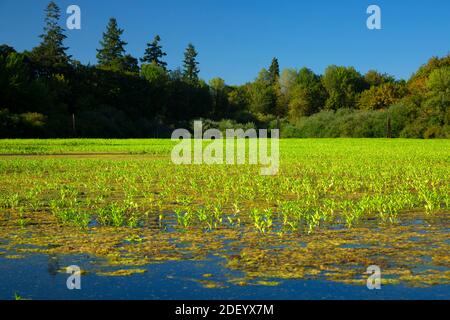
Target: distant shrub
(351, 123)
(223, 125)
(289, 131)
(33, 119)
(30, 124)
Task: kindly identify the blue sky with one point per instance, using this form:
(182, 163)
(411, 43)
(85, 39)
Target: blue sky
(236, 38)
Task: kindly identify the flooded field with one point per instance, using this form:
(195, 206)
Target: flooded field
(140, 227)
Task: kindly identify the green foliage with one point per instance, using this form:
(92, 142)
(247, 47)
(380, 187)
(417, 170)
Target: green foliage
(343, 123)
(288, 79)
(30, 124)
(343, 85)
(305, 94)
(374, 78)
(238, 103)
(190, 71)
(262, 94)
(220, 105)
(154, 54)
(329, 183)
(430, 101)
(14, 80)
(274, 71)
(127, 63)
(224, 124)
(438, 86)
(154, 74)
(382, 96)
(417, 83)
(265, 93)
(51, 53)
(112, 55)
(44, 93)
(6, 50)
(33, 119)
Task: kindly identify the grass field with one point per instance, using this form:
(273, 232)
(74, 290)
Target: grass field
(335, 207)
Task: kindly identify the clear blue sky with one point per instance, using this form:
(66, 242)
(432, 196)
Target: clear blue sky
(236, 38)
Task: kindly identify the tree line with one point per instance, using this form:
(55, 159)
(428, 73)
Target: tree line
(45, 92)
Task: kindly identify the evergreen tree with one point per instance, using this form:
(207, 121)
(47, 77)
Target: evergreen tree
(128, 63)
(274, 71)
(191, 70)
(5, 50)
(51, 52)
(112, 50)
(154, 54)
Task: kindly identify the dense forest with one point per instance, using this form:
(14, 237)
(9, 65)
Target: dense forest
(46, 93)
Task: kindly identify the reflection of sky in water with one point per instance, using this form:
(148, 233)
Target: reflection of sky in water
(37, 277)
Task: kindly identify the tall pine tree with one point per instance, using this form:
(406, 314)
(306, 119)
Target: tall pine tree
(154, 54)
(190, 70)
(112, 48)
(274, 71)
(51, 52)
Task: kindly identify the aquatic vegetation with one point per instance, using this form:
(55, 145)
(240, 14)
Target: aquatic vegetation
(111, 215)
(184, 217)
(17, 296)
(122, 272)
(262, 219)
(22, 220)
(330, 196)
(211, 284)
(268, 283)
(9, 201)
